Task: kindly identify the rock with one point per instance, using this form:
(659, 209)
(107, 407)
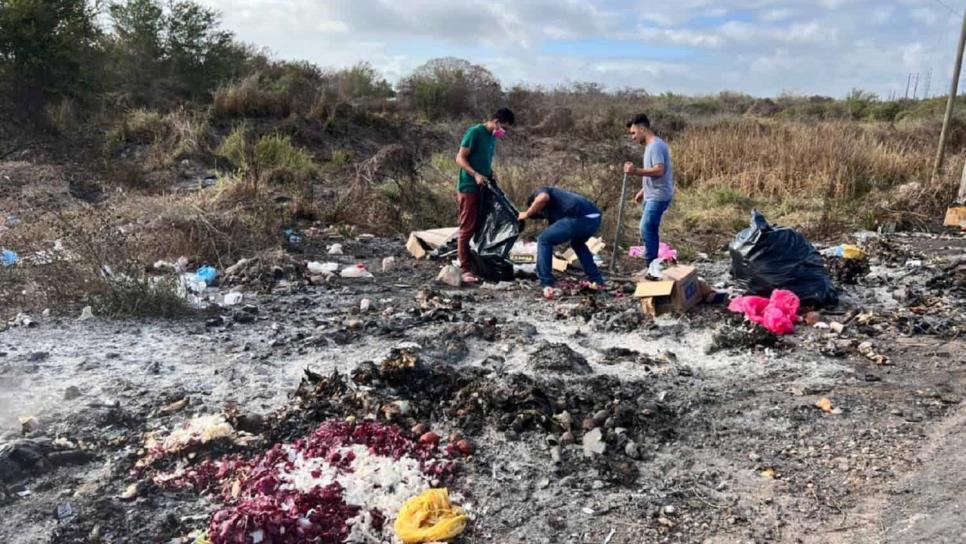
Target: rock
(567, 438)
(72, 392)
(594, 443)
(600, 417)
(243, 317)
(754, 457)
(38, 356)
(631, 450)
(86, 313)
(388, 264)
(587, 424)
(450, 275)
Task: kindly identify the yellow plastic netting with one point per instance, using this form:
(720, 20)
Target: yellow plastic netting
(429, 517)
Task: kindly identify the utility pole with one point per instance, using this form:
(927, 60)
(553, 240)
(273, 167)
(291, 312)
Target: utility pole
(950, 101)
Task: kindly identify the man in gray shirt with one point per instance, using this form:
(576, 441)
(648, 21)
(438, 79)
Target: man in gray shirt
(657, 185)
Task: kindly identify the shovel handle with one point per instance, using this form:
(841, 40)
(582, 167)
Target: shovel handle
(620, 224)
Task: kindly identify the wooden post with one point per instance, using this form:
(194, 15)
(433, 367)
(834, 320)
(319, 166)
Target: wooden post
(950, 101)
(620, 225)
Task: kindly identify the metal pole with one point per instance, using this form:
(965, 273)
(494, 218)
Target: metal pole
(620, 225)
(950, 101)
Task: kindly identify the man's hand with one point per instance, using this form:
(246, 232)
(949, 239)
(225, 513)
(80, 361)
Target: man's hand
(639, 197)
(522, 216)
(629, 167)
(480, 179)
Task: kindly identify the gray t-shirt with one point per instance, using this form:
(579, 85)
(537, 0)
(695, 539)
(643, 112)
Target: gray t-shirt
(660, 189)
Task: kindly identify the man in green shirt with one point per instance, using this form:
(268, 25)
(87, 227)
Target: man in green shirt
(475, 159)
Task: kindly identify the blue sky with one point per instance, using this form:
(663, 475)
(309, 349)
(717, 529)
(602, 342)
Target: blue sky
(761, 47)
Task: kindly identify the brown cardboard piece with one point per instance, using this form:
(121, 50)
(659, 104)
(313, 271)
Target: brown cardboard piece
(955, 216)
(421, 242)
(569, 257)
(678, 292)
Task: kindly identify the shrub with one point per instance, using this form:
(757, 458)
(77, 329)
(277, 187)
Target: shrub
(451, 87)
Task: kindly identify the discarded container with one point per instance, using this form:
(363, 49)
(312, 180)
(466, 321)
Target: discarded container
(765, 258)
(207, 274)
(422, 242)
(845, 251)
(232, 299)
(355, 272)
(678, 292)
(335, 249)
(429, 517)
(316, 267)
(86, 313)
(9, 257)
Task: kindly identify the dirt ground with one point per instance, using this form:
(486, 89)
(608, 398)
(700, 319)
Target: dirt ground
(703, 442)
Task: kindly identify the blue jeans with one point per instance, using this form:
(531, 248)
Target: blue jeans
(576, 230)
(650, 227)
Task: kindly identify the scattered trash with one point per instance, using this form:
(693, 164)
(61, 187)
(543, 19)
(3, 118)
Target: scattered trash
(64, 511)
(845, 251)
(913, 263)
(23, 320)
(769, 473)
(450, 275)
(666, 253)
(429, 517)
(207, 274)
(765, 258)
(678, 291)
(569, 257)
(231, 299)
(422, 242)
(335, 249)
(635, 252)
(86, 313)
(9, 257)
(316, 267)
(867, 350)
(365, 305)
(594, 443)
(355, 272)
(778, 314)
(388, 264)
(825, 405)
(12, 220)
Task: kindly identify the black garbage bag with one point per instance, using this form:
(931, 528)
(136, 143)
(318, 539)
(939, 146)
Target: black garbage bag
(765, 258)
(497, 229)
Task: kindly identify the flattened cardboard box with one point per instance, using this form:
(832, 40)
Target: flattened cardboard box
(678, 292)
(421, 242)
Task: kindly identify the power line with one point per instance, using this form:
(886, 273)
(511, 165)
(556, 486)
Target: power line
(943, 4)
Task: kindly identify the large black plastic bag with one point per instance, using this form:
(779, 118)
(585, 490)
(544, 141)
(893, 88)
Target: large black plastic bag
(497, 229)
(765, 258)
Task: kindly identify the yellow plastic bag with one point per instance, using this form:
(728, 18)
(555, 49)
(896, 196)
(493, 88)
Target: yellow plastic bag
(429, 517)
(852, 252)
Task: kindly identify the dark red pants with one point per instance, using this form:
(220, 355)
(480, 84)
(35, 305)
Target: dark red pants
(469, 211)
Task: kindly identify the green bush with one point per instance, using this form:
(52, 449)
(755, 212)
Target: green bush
(450, 87)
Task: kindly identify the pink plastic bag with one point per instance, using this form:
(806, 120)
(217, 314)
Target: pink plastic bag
(665, 253)
(636, 251)
(778, 314)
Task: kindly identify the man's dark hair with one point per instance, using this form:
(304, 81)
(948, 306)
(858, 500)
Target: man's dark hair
(504, 116)
(639, 119)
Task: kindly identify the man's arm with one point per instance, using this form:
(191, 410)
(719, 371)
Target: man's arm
(655, 171)
(538, 205)
(463, 160)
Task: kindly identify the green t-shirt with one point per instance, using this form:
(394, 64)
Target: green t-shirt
(481, 145)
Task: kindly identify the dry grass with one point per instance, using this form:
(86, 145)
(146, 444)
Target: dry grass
(247, 98)
(169, 137)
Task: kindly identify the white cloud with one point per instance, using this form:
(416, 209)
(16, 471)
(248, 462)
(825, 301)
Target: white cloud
(757, 46)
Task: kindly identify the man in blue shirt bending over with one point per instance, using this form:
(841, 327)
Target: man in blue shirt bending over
(657, 184)
(572, 219)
